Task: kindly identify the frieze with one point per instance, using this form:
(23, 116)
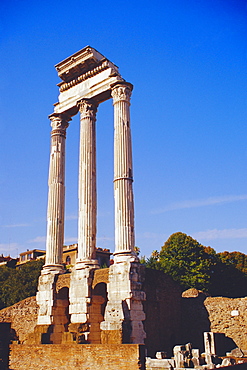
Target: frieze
(100, 68)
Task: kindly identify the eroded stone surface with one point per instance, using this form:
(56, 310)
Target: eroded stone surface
(124, 311)
(22, 316)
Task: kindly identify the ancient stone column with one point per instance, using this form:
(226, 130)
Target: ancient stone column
(55, 222)
(81, 276)
(56, 195)
(87, 185)
(124, 311)
(123, 176)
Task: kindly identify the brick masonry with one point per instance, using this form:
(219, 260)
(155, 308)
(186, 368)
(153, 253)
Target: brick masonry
(217, 314)
(83, 357)
(22, 316)
(228, 316)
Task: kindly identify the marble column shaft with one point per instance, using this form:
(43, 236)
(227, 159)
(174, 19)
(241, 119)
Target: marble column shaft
(123, 176)
(56, 195)
(87, 183)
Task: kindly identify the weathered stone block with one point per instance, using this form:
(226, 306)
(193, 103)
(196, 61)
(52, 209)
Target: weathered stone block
(111, 337)
(73, 356)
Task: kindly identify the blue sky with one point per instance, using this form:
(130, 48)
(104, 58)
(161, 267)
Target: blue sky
(187, 61)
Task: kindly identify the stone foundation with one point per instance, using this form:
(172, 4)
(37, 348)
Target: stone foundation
(170, 319)
(83, 357)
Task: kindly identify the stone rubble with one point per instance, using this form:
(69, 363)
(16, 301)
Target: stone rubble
(190, 358)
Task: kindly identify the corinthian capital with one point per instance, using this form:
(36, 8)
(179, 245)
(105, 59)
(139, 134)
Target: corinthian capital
(87, 108)
(59, 122)
(121, 91)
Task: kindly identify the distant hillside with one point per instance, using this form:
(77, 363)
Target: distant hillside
(18, 284)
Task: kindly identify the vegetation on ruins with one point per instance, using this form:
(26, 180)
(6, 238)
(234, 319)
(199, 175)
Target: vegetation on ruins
(196, 266)
(18, 284)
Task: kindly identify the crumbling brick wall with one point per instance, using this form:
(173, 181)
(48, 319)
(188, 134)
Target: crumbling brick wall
(22, 316)
(229, 316)
(217, 314)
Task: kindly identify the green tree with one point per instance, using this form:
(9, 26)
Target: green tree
(228, 280)
(16, 285)
(5, 273)
(187, 261)
(152, 261)
(236, 259)
(196, 266)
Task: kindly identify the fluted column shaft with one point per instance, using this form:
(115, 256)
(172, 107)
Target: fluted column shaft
(56, 195)
(87, 183)
(123, 177)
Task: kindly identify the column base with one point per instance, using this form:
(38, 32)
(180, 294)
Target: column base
(52, 269)
(125, 257)
(92, 264)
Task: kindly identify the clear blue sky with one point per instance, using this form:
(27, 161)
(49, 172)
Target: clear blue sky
(187, 61)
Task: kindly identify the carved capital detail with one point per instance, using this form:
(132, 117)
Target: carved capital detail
(59, 123)
(87, 108)
(121, 92)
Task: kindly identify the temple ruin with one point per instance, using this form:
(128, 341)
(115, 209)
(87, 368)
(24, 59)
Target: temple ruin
(88, 79)
(122, 317)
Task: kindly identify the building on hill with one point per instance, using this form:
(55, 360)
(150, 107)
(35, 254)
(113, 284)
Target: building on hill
(70, 253)
(69, 256)
(8, 261)
(30, 255)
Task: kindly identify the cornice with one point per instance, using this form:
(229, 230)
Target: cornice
(103, 65)
(81, 61)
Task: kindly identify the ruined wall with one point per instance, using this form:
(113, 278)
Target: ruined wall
(83, 357)
(22, 316)
(229, 316)
(217, 314)
(163, 312)
(170, 318)
(162, 308)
